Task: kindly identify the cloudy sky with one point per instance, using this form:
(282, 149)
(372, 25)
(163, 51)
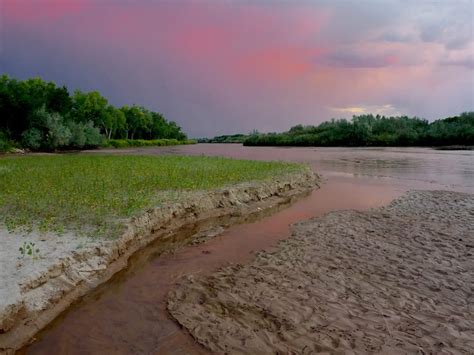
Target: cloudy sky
(222, 66)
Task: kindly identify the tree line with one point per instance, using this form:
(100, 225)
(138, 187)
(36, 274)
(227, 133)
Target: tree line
(40, 115)
(370, 130)
(233, 138)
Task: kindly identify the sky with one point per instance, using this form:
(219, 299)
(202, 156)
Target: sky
(224, 67)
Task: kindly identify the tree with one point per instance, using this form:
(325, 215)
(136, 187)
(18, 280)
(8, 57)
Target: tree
(90, 106)
(41, 115)
(369, 130)
(112, 120)
(137, 118)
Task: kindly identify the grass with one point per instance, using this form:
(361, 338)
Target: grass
(93, 193)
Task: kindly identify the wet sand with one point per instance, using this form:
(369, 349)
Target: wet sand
(128, 314)
(397, 279)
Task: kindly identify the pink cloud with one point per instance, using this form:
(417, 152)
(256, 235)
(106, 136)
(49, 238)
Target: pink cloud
(213, 58)
(244, 44)
(284, 63)
(37, 10)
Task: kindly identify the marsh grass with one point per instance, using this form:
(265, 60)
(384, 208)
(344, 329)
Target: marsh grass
(93, 194)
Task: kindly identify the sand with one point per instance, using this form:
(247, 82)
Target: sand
(34, 291)
(393, 280)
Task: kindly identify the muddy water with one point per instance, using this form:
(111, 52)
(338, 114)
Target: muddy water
(128, 315)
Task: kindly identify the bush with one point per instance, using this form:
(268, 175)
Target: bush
(32, 139)
(93, 136)
(58, 135)
(78, 135)
(4, 143)
(117, 143)
(84, 135)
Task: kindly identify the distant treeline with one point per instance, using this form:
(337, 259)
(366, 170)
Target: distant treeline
(127, 143)
(39, 115)
(370, 130)
(234, 138)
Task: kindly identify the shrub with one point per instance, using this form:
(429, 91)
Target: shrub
(84, 135)
(58, 135)
(118, 143)
(4, 143)
(93, 136)
(78, 135)
(32, 138)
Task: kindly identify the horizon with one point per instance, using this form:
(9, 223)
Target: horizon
(225, 68)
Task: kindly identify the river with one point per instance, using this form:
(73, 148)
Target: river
(128, 314)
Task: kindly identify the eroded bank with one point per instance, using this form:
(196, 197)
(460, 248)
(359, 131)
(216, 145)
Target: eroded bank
(39, 297)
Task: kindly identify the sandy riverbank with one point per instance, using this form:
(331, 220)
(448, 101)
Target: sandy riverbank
(34, 291)
(397, 279)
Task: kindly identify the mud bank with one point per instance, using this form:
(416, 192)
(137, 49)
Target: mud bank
(396, 279)
(34, 292)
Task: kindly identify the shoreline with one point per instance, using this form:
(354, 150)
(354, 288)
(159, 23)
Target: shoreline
(50, 292)
(391, 279)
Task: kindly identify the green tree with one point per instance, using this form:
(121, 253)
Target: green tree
(90, 106)
(41, 115)
(137, 119)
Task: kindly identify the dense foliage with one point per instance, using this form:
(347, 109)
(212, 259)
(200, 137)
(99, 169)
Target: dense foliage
(39, 115)
(370, 130)
(234, 138)
(95, 191)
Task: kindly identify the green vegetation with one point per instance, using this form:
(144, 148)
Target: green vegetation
(39, 115)
(92, 193)
(370, 130)
(29, 248)
(126, 143)
(234, 138)
(4, 143)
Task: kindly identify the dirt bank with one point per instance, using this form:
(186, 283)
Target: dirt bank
(396, 280)
(34, 291)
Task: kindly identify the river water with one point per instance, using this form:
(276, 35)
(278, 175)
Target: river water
(128, 314)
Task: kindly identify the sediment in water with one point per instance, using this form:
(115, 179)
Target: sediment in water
(32, 300)
(397, 279)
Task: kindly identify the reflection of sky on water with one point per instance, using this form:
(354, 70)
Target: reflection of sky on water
(450, 170)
